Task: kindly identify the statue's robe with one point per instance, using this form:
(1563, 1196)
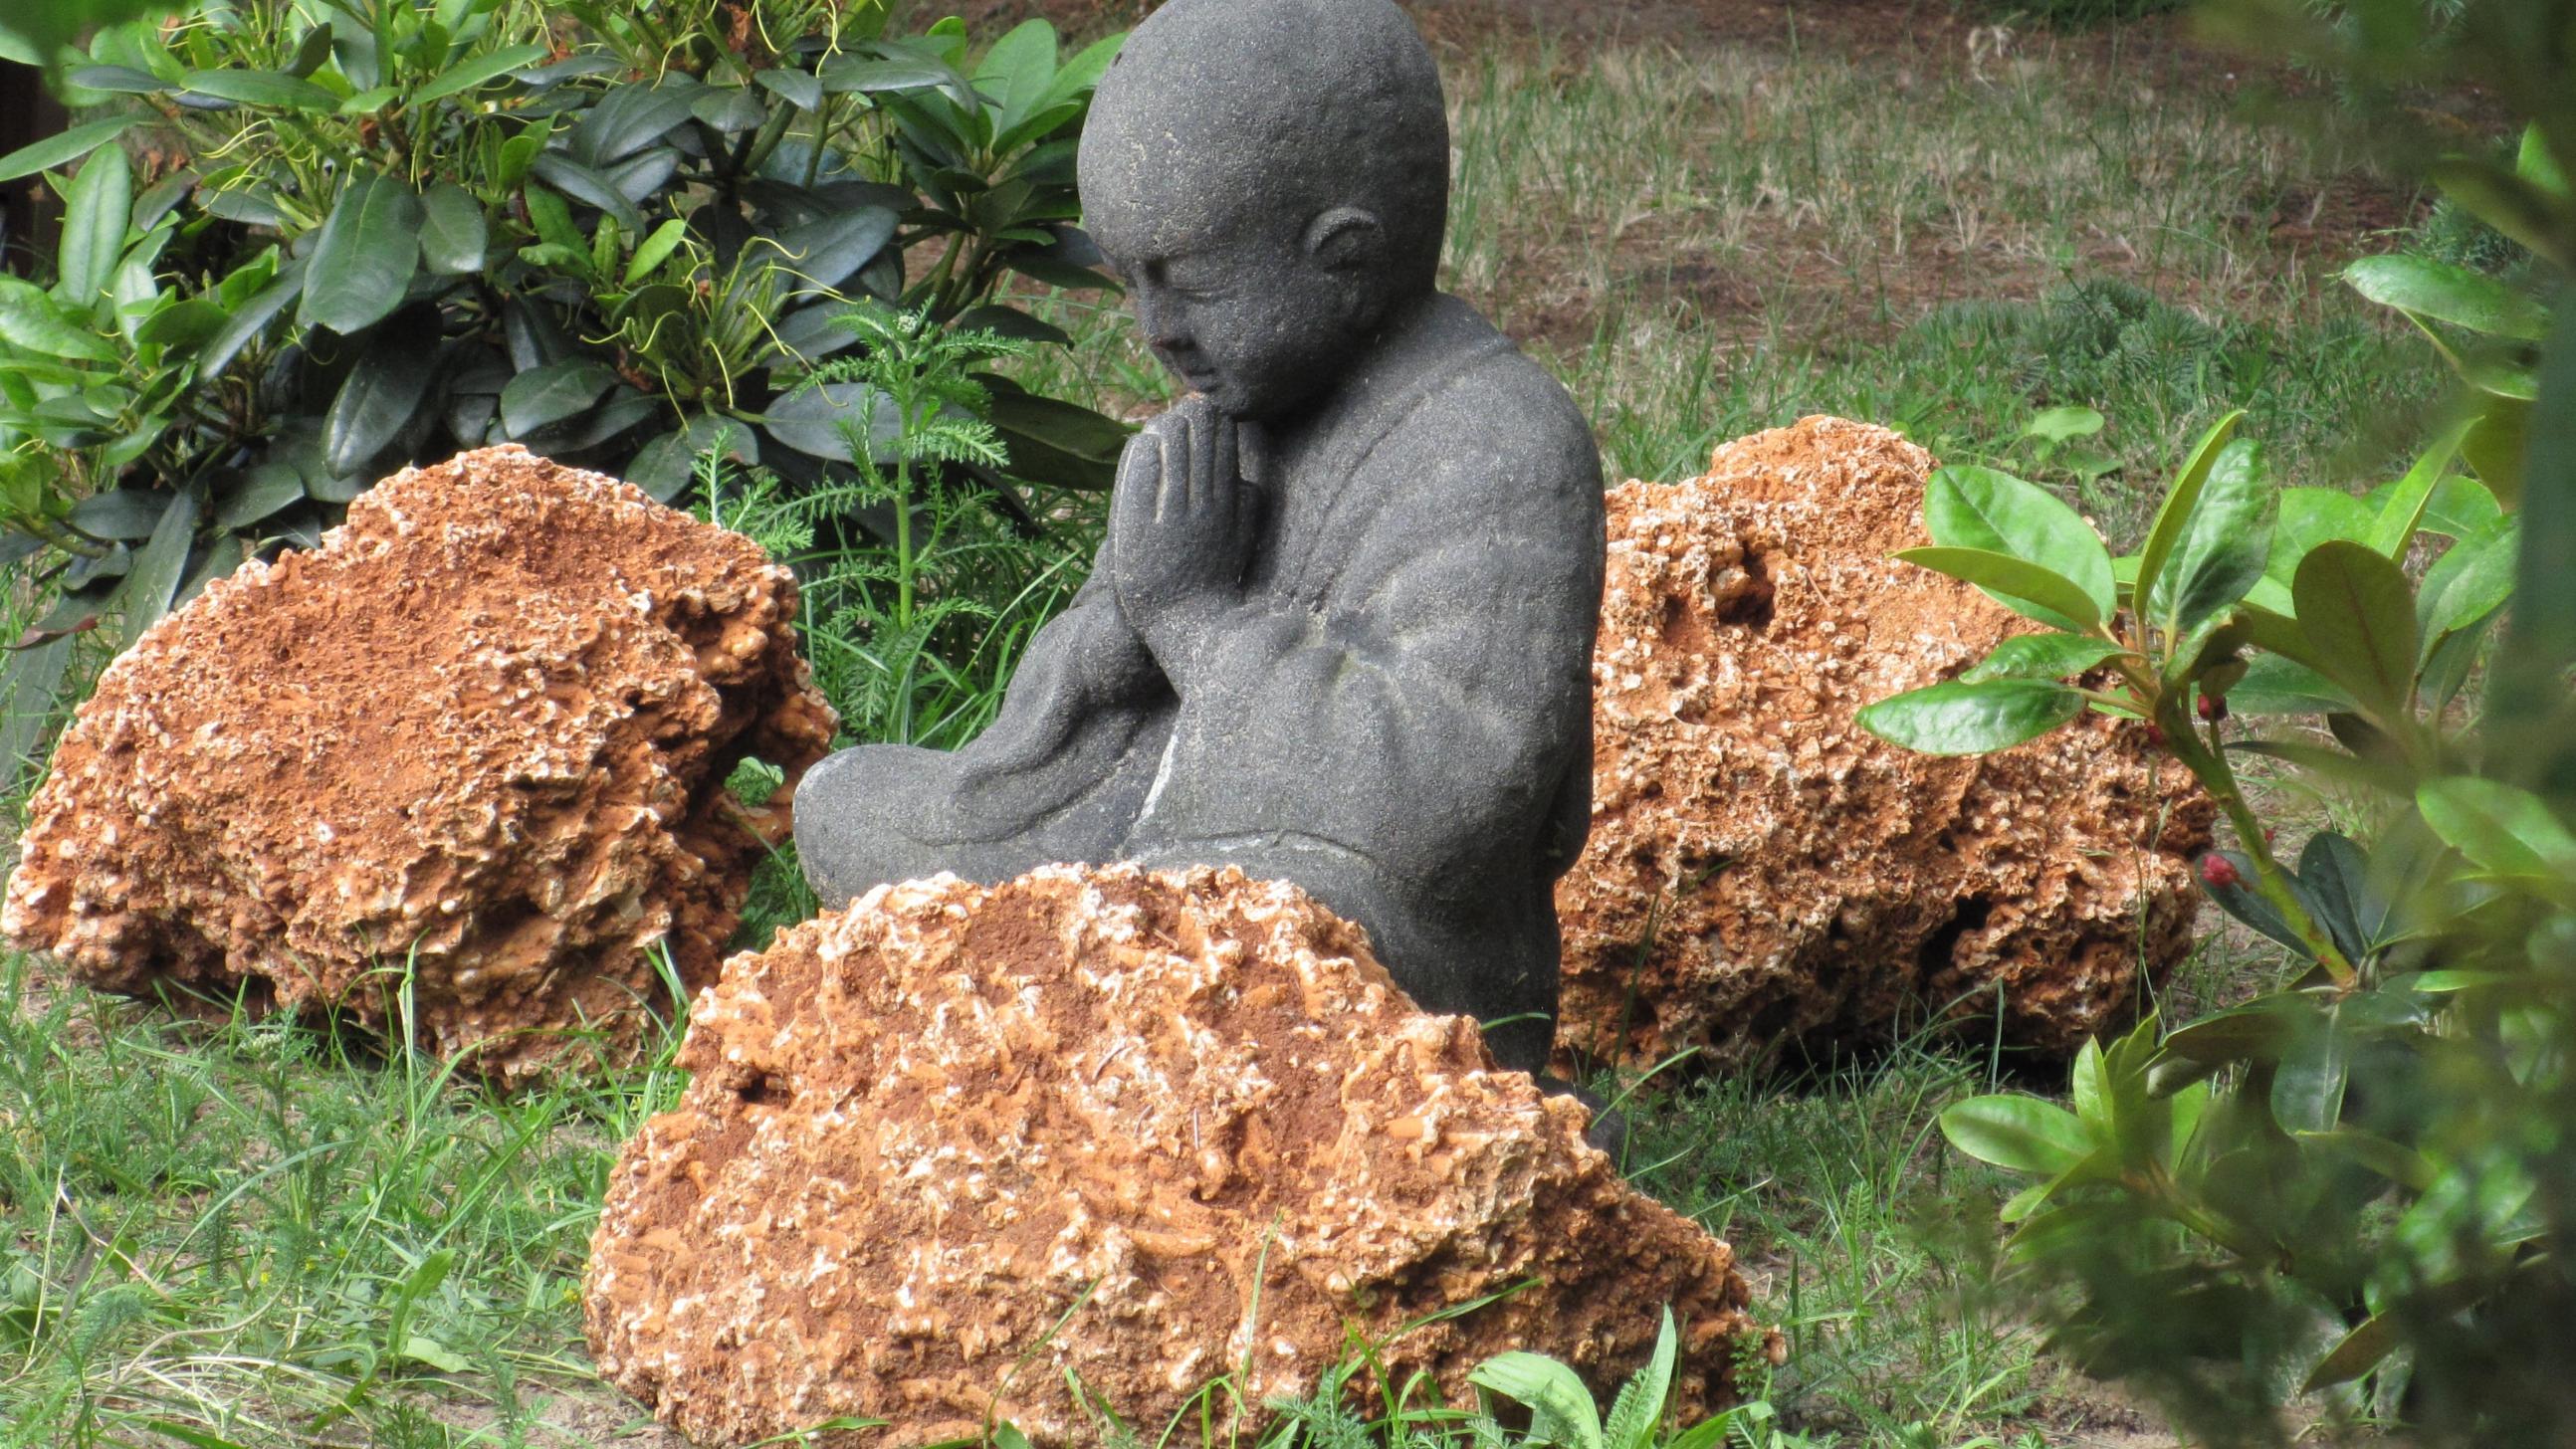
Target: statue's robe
(1397, 718)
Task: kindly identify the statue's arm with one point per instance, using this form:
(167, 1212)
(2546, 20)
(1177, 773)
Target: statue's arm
(1446, 675)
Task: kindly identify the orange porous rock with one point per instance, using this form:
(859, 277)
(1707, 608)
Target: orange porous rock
(948, 1146)
(1764, 873)
(475, 743)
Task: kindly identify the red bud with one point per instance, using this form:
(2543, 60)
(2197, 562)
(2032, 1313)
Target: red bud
(2217, 871)
(2213, 707)
(2155, 735)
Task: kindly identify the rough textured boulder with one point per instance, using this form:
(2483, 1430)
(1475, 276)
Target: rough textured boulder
(947, 1145)
(483, 729)
(1761, 870)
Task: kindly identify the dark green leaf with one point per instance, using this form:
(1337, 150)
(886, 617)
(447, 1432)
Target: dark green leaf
(29, 679)
(260, 88)
(262, 492)
(628, 119)
(2023, 1134)
(223, 555)
(585, 185)
(118, 79)
(365, 256)
(810, 334)
(551, 395)
(2359, 616)
(1011, 322)
(251, 320)
(158, 567)
(2308, 1085)
(2011, 580)
(2041, 656)
(1067, 427)
(2448, 293)
(663, 468)
(1972, 719)
(1017, 71)
(2336, 878)
(385, 388)
(94, 220)
(730, 110)
(796, 87)
(811, 420)
(2220, 549)
(2241, 900)
(481, 70)
(63, 149)
(122, 515)
(823, 254)
(849, 73)
(453, 232)
(1974, 508)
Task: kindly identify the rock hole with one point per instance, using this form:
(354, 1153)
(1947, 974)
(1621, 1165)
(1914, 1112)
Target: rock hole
(1935, 955)
(1743, 593)
(755, 1092)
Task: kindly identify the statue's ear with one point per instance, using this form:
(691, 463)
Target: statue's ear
(1346, 238)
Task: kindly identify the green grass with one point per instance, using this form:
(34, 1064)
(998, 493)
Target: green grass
(269, 1234)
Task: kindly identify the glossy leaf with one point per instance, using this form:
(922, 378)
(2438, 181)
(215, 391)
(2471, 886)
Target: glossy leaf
(2023, 1134)
(2308, 1084)
(663, 468)
(811, 420)
(2447, 293)
(2311, 516)
(480, 71)
(94, 221)
(2174, 514)
(628, 119)
(158, 567)
(655, 250)
(364, 257)
(585, 185)
(30, 319)
(2041, 656)
(2220, 549)
(385, 388)
(796, 87)
(260, 88)
(1971, 719)
(2468, 583)
(825, 253)
(2273, 685)
(1968, 507)
(263, 492)
(2403, 510)
(1561, 1410)
(2499, 827)
(548, 396)
(453, 233)
(2359, 617)
(252, 319)
(64, 148)
(2356, 1354)
(2024, 587)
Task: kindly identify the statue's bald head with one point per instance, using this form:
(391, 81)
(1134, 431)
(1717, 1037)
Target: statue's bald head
(1279, 105)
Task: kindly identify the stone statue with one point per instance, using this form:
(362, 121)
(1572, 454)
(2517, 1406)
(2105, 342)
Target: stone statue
(1341, 629)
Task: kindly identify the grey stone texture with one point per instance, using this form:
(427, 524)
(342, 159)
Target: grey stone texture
(1340, 632)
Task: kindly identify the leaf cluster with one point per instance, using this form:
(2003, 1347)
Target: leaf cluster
(2344, 1187)
(376, 232)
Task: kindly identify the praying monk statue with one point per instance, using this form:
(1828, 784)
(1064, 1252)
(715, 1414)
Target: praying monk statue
(1340, 632)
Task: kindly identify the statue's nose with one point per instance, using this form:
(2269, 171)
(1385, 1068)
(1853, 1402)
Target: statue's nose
(1160, 321)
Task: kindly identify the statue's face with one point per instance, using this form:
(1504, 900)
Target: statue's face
(1238, 308)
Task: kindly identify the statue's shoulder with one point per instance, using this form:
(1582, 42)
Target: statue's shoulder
(1500, 413)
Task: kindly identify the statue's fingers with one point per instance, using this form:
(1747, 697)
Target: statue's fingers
(1227, 466)
(1202, 492)
(1171, 488)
